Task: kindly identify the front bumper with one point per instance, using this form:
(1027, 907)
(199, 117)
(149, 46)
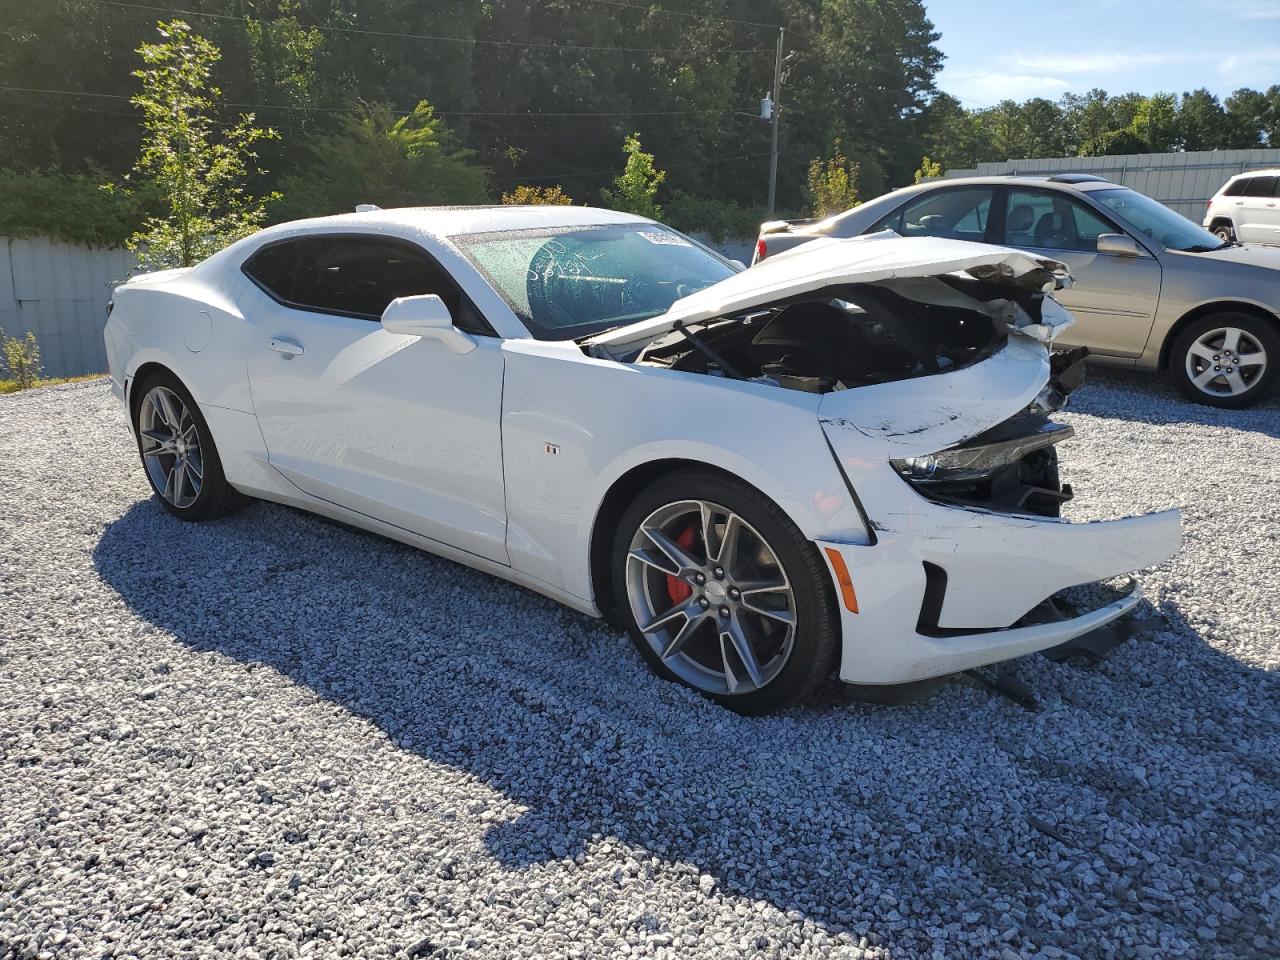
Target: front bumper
(943, 594)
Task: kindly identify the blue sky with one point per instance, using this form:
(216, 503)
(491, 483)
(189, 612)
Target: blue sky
(1018, 49)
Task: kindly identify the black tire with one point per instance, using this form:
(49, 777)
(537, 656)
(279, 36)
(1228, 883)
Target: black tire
(1262, 332)
(216, 497)
(816, 637)
(1224, 230)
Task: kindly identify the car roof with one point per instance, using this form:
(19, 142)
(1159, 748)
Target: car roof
(455, 221)
(1271, 172)
(1061, 181)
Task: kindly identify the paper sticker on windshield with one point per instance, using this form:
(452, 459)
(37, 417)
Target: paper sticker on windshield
(664, 239)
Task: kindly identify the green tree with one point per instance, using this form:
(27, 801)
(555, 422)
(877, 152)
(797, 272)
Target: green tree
(1155, 123)
(1253, 118)
(199, 176)
(635, 189)
(953, 135)
(833, 183)
(378, 157)
(1202, 123)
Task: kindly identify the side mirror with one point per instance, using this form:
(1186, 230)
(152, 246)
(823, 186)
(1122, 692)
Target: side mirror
(1119, 245)
(426, 316)
(739, 264)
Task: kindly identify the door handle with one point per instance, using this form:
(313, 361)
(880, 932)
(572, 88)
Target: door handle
(289, 348)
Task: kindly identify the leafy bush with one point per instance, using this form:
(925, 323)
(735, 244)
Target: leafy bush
(833, 183)
(537, 196)
(636, 187)
(928, 170)
(77, 208)
(21, 358)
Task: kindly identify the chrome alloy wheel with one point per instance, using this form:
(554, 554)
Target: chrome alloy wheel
(1225, 362)
(170, 445)
(711, 597)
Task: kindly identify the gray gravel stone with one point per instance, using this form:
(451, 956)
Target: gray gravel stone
(272, 736)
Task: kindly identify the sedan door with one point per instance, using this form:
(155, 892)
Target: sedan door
(394, 427)
(1114, 297)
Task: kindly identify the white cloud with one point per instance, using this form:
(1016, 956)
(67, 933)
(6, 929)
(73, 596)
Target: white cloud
(985, 87)
(1256, 9)
(1100, 62)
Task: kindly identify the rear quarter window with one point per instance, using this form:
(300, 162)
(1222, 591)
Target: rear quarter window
(274, 268)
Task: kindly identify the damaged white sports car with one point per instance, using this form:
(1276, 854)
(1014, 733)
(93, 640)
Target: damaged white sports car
(841, 459)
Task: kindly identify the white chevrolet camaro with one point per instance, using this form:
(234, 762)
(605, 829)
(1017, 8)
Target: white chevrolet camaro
(839, 460)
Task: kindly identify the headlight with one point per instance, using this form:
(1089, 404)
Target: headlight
(978, 461)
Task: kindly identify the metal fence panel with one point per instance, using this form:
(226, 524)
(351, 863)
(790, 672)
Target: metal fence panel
(1181, 181)
(59, 292)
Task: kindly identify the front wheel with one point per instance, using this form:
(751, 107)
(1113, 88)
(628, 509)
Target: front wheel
(1223, 230)
(1226, 360)
(720, 591)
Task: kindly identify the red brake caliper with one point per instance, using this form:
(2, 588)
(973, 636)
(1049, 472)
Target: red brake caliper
(677, 589)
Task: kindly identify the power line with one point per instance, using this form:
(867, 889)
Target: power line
(442, 113)
(525, 44)
(681, 13)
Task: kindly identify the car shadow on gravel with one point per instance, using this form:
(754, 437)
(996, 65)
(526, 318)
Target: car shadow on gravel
(1148, 398)
(857, 817)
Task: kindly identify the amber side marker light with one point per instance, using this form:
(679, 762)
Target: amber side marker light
(842, 577)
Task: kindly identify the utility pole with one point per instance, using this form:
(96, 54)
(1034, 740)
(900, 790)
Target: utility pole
(773, 151)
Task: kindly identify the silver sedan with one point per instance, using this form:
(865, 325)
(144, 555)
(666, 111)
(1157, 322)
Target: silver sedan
(1153, 290)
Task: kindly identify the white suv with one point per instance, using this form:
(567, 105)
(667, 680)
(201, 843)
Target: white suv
(1247, 208)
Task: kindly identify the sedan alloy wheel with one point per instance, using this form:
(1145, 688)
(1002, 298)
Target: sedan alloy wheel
(1226, 362)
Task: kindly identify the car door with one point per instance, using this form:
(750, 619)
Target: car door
(395, 427)
(1256, 216)
(1114, 297)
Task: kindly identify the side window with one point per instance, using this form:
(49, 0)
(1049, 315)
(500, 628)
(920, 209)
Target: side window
(1236, 188)
(892, 222)
(359, 276)
(1089, 226)
(355, 276)
(1261, 187)
(1049, 220)
(957, 214)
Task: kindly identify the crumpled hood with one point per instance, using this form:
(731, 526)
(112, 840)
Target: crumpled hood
(911, 418)
(829, 261)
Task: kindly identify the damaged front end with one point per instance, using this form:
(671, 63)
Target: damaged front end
(1011, 467)
(934, 385)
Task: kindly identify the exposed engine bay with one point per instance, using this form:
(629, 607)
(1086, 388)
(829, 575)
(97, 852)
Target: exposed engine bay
(850, 335)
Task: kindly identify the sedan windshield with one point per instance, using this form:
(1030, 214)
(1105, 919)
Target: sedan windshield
(570, 282)
(1157, 221)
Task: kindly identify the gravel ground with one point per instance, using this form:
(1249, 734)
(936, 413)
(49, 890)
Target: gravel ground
(273, 736)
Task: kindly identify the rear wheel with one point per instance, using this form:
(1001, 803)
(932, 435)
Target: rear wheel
(1226, 359)
(721, 592)
(178, 453)
(1223, 230)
